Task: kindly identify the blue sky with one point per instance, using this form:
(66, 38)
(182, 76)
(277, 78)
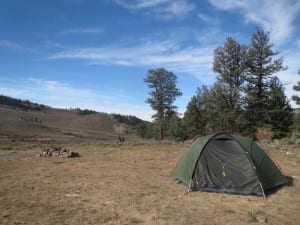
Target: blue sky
(95, 54)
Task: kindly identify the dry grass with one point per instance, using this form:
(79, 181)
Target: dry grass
(55, 124)
(127, 184)
(264, 134)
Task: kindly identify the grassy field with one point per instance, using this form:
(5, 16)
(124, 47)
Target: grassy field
(51, 123)
(129, 184)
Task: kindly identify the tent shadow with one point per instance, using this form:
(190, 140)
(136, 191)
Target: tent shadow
(290, 182)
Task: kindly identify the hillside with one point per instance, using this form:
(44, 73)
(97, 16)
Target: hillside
(25, 120)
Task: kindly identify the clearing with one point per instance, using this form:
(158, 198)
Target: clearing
(129, 184)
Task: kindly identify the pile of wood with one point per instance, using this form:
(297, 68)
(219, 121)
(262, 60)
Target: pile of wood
(59, 152)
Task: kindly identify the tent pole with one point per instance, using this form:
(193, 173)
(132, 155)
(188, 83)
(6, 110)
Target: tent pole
(190, 186)
(262, 190)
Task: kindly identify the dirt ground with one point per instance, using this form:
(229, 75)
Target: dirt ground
(129, 184)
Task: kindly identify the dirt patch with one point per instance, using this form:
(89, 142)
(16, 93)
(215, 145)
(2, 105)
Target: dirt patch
(130, 184)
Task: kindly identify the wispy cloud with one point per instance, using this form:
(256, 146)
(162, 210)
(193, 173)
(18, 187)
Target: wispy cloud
(196, 61)
(298, 43)
(169, 54)
(82, 31)
(74, 1)
(207, 19)
(64, 95)
(10, 44)
(175, 8)
(47, 91)
(289, 77)
(16, 47)
(211, 36)
(140, 4)
(166, 9)
(48, 44)
(275, 16)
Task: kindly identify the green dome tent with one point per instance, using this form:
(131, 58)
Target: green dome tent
(228, 163)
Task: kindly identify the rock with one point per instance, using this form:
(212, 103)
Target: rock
(261, 217)
(72, 195)
(5, 215)
(59, 152)
(110, 203)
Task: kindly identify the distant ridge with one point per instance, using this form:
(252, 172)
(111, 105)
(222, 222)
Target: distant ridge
(22, 119)
(21, 104)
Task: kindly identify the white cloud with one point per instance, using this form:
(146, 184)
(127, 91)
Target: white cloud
(176, 8)
(210, 36)
(140, 4)
(53, 45)
(48, 91)
(96, 30)
(290, 76)
(74, 1)
(16, 47)
(171, 55)
(168, 54)
(208, 19)
(10, 44)
(298, 44)
(63, 95)
(166, 9)
(276, 16)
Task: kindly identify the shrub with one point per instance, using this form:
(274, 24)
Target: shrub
(264, 133)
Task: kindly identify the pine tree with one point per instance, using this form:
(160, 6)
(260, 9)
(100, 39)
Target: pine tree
(162, 84)
(279, 109)
(230, 64)
(193, 118)
(176, 128)
(296, 98)
(296, 87)
(218, 113)
(261, 68)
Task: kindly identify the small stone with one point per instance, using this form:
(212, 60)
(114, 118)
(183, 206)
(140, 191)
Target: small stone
(261, 217)
(110, 203)
(6, 215)
(72, 195)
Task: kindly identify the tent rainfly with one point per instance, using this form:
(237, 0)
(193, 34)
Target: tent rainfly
(229, 164)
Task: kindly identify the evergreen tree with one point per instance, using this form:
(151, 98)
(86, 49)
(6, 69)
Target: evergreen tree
(230, 64)
(193, 118)
(209, 102)
(246, 95)
(296, 98)
(296, 87)
(261, 68)
(176, 128)
(217, 110)
(162, 84)
(279, 109)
